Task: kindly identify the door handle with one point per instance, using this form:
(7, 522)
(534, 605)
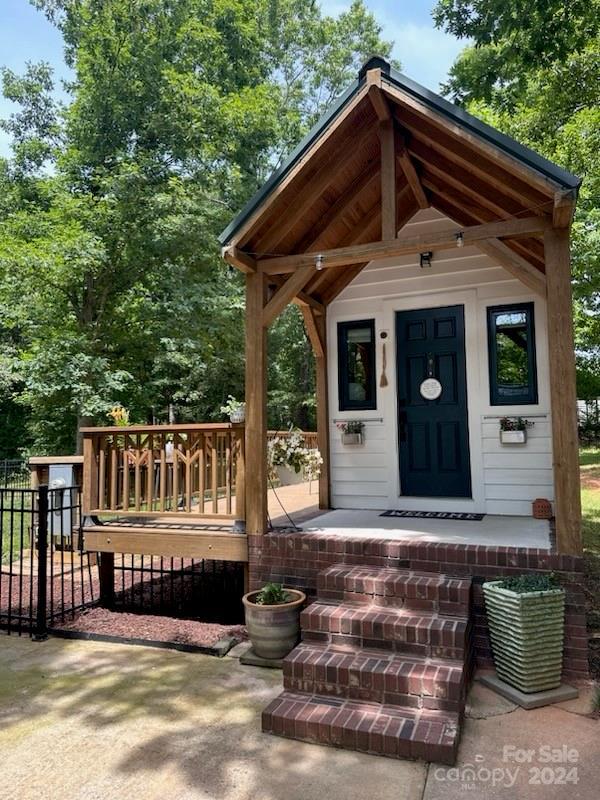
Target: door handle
(402, 425)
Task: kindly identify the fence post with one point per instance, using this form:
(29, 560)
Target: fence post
(41, 626)
(106, 575)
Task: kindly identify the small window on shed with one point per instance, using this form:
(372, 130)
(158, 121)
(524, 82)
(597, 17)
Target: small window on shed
(511, 343)
(356, 365)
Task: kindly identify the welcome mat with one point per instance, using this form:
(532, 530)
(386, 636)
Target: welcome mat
(466, 517)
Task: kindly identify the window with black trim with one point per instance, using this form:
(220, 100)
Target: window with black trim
(356, 365)
(511, 346)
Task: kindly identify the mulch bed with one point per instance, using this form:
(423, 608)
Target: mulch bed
(152, 627)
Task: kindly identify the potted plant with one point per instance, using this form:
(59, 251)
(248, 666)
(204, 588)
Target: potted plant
(513, 430)
(352, 431)
(526, 621)
(273, 619)
(290, 461)
(235, 409)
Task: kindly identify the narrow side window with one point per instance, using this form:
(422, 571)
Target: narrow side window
(356, 365)
(511, 348)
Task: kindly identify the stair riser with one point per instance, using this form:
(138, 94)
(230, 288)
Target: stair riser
(395, 646)
(414, 604)
(390, 738)
(372, 695)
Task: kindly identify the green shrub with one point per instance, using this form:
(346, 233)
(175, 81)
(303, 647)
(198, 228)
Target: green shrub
(272, 594)
(523, 584)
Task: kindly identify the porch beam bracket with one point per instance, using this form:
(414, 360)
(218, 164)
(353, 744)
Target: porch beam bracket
(564, 208)
(239, 259)
(410, 173)
(302, 299)
(312, 330)
(444, 240)
(519, 267)
(294, 284)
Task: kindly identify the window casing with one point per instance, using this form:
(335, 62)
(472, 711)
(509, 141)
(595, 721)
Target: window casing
(356, 365)
(512, 358)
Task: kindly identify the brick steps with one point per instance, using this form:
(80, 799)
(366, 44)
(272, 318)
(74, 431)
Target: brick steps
(375, 676)
(425, 591)
(422, 633)
(374, 728)
(383, 664)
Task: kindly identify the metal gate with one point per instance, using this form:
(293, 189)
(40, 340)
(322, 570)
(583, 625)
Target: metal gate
(45, 577)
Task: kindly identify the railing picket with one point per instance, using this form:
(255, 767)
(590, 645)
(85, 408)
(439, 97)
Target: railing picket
(214, 476)
(228, 438)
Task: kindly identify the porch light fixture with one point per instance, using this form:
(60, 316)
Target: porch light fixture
(319, 262)
(460, 239)
(425, 260)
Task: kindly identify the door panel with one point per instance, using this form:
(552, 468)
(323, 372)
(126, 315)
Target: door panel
(434, 435)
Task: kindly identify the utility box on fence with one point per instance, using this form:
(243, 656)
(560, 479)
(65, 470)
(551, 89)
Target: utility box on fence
(62, 474)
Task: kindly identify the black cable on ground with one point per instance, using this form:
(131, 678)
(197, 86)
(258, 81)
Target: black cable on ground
(292, 523)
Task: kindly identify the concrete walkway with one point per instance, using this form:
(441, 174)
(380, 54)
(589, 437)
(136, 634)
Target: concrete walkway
(82, 720)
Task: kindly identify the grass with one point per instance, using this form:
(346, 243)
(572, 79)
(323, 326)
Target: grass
(589, 460)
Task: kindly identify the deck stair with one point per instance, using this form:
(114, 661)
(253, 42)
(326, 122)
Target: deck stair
(383, 665)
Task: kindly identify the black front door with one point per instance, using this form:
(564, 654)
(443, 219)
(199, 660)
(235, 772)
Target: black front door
(433, 431)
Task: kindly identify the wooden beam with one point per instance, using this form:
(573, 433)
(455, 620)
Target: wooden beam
(302, 299)
(256, 406)
(238, 259)
(181, 543)
(378, 101)
(388, 180)
(410, 172)
(306, 197)
(519, 267)
(563, 397)
(564, 208)
(322, 397)
(286, 293)
(462, 159)
(355, 254)
(312, 330)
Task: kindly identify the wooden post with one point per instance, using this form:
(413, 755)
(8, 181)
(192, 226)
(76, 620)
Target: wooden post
(256, 405)
(89, 496)
(563, 397)
(388, 180)
(316, 328)
(240, 478)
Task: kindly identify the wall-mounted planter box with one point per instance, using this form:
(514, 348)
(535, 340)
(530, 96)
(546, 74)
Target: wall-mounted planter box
(527, 631)
(513, 437)
(352, 438)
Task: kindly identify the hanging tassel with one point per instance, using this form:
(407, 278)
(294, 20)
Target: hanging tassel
(383, 381)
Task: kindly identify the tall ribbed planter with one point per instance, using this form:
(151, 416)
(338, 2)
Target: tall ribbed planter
(527, 632)
(273, 630)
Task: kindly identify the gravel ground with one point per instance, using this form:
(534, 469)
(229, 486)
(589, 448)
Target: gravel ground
(151, 627)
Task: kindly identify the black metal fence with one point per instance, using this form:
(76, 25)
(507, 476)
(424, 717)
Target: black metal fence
(14, 474)
(45, 577)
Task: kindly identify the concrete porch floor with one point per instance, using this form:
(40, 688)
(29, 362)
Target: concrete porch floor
(494, 530)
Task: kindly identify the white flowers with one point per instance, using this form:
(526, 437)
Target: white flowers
(290, 451)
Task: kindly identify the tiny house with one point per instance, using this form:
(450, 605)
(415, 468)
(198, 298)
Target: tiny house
(429, 254)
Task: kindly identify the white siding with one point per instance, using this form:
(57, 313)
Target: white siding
(505, 478)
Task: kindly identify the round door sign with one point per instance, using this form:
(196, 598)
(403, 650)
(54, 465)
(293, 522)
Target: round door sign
(430, 389)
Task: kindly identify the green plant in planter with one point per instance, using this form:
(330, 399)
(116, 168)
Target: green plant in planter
(526, 622)
(272, 594)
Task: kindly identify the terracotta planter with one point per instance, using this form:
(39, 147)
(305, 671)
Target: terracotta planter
(542, 508)
(274, 630)
(527, 632)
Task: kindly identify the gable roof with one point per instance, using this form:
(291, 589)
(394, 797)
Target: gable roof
(528, 158)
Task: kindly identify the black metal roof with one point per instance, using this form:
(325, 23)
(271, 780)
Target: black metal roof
(457, 114)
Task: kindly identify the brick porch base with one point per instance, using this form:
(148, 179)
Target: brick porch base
(295, 559)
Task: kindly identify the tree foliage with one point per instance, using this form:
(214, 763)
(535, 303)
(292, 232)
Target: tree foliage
(111, 287)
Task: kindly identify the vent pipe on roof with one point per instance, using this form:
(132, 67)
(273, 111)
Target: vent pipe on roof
(375, 62)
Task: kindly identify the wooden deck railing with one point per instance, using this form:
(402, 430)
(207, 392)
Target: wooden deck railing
(164, 470)
(310, 437)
